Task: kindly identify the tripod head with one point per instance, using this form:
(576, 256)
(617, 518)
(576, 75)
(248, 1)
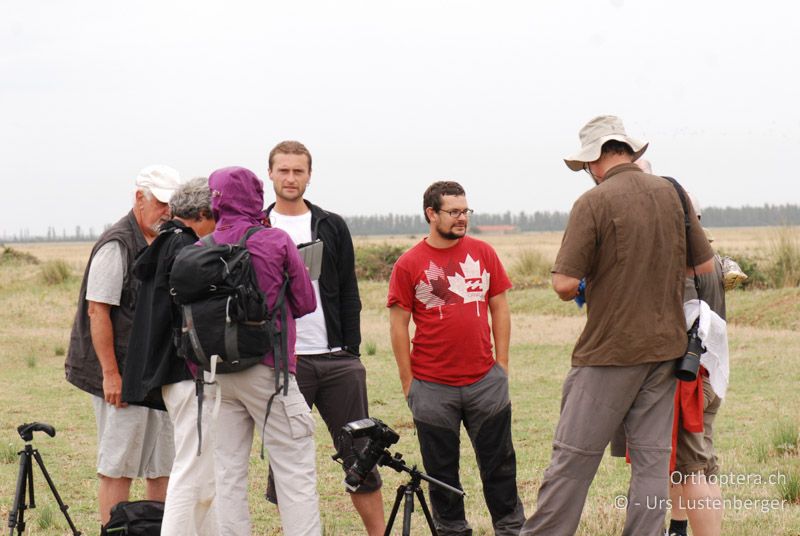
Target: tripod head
(26, 430)
(397, 463)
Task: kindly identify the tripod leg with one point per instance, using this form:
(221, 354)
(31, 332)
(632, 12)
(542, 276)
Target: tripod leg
(50, 483)
(16, 517)
(424, 505)
(395, 508)
(408, 509)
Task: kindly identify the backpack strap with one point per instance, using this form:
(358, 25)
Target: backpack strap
(280, 344)
(250, 232)
(191, 331)
(280, 353)
(687, 227)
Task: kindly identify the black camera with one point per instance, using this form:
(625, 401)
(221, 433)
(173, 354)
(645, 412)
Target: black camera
(689, 364)
(362, 460)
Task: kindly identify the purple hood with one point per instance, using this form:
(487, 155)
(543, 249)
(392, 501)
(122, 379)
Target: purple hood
(237, 199)
(237, 196)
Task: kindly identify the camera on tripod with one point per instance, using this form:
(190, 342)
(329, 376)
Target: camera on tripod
(381, 437)
(376, 452)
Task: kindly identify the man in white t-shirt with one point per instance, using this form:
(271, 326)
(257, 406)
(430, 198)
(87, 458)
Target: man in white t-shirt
(133, 441)
(329, 372)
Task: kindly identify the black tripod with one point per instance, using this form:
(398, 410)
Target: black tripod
(16, 518)
(407, 491)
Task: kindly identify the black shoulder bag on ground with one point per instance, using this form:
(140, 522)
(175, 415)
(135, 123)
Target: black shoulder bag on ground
(686, 367)
(135, 518)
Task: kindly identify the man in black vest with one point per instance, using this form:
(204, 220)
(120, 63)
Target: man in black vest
(133, 441)
(329, 372)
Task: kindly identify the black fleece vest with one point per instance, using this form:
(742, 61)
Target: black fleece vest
(82, 366)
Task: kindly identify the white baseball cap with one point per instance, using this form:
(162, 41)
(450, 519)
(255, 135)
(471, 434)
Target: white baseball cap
(162, 181)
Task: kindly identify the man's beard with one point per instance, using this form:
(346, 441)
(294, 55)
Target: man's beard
(156, 227)
(450, 235)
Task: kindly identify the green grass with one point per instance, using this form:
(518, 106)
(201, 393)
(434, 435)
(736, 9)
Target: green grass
(785, 437)
(789, 490)
(35, 319)
(370, 347)
(8, 453)
(46, 517)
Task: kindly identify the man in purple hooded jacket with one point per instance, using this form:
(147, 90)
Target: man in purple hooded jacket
(237, 199)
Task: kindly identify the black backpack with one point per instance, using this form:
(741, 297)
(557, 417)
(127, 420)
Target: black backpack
(224, 313)
(223, 309)
(135, 518)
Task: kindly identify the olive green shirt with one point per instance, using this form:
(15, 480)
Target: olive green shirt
(626, 236)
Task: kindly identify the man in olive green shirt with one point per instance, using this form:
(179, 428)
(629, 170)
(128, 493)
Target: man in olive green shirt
(626, 238)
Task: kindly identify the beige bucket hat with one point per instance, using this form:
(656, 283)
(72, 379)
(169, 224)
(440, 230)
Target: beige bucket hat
(598, 131)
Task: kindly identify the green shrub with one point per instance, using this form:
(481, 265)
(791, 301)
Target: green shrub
(55, 272)
(59, 350)
(530, 269)
(375, 262)
(13, 256)
(784, 270)
(789, 488)
(370, 347)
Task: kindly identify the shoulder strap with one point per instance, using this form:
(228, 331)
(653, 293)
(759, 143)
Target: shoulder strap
(250, 232)
(687, 227)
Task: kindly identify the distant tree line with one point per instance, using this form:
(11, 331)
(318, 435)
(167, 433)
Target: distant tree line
(399, 224)
(404, 224)
(751, 216)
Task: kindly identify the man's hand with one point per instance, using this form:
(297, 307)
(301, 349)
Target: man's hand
(112, 389)
(399, 320)
(501, 328)
(503, 366)
(565, 286)
(102, 332)
(406, 386)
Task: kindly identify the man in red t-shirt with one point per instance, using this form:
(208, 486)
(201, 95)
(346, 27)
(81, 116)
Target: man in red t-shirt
(451, 284)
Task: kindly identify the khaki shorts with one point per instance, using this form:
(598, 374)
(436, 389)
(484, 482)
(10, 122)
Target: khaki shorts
(132, 442)
(695, 451)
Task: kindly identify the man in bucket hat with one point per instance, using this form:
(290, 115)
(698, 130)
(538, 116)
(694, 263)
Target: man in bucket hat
(626, 238)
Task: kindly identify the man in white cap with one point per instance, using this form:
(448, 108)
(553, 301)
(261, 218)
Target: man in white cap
(626, 238)
(133, 441)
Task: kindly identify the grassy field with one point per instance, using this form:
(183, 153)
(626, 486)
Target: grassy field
(756, 431)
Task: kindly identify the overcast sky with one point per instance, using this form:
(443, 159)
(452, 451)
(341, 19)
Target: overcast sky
(390, 96)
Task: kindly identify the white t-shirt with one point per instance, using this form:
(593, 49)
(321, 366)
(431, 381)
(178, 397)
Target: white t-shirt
(312, 336)
(106, 274)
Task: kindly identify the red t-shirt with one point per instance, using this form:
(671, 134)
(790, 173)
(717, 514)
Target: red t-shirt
(447, 292)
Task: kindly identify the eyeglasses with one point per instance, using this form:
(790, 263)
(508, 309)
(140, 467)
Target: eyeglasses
(455, 213)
